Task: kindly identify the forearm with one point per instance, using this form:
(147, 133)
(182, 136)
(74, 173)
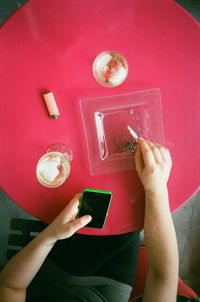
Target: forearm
(22, 268)
(160, 236)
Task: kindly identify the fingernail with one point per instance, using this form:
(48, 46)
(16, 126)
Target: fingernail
(141, 138)
(88, 217)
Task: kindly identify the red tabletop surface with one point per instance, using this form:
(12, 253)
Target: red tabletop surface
(50, 46)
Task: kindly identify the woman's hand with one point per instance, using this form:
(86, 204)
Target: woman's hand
(66, 223)
(153, 164)
(22, 268)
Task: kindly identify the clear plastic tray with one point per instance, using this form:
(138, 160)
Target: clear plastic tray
(105, 119)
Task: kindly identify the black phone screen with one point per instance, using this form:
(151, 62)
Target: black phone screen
(95, 204)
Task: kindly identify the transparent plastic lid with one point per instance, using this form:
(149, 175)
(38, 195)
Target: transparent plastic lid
(105, 119)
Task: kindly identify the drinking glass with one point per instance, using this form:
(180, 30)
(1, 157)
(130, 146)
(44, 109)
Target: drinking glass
(110, 68)
(54, 166)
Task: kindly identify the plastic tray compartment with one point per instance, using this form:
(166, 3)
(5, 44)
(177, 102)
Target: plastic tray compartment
(105, 119)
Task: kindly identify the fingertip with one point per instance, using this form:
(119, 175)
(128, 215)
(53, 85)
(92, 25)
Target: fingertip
(74, 203)
(88, 218)
(137, 153)
(84, 220)
(77, 196)
(141, 141)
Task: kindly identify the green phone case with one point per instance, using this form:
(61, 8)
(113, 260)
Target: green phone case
(97, 209)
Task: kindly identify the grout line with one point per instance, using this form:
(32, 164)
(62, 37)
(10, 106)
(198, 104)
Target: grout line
(190, 229)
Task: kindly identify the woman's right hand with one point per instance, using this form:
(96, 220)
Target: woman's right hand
(153, 164)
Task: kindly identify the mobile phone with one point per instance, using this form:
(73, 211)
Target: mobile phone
(95, 203)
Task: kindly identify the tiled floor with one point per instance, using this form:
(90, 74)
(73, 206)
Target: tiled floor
(187, 224)
(8, 210)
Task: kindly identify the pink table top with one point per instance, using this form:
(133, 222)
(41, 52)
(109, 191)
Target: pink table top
(50, 46)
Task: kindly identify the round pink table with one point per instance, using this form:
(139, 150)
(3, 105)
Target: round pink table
(50, 46)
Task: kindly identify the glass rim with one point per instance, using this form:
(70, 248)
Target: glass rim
(67, 152)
